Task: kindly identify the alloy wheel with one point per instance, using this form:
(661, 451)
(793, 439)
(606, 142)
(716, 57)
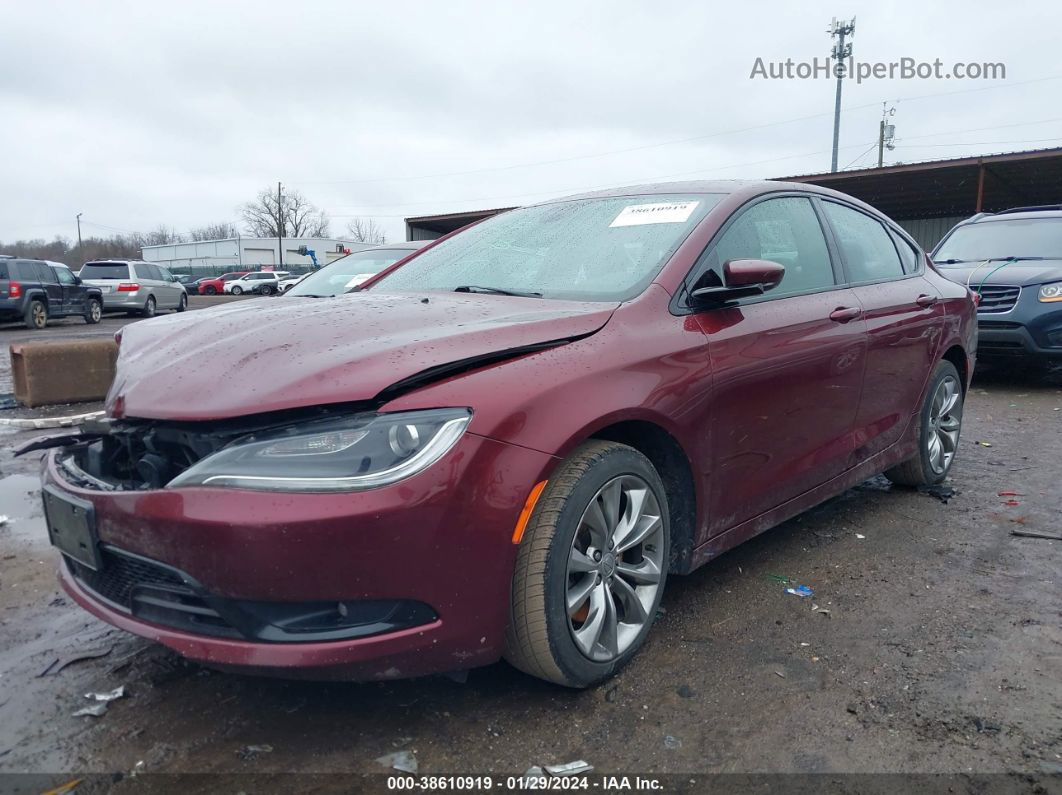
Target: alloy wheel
(95, 312)
(40, 315)
(945, 422)
(614, 568)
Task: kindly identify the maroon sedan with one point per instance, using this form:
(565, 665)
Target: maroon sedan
(503, 446)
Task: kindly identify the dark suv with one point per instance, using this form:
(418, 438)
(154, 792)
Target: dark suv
(35, 290)
(1013, 260)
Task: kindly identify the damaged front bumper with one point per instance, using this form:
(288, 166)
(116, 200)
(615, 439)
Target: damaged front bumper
(402, 580)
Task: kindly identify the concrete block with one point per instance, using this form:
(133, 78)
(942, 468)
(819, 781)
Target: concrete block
(47, 373)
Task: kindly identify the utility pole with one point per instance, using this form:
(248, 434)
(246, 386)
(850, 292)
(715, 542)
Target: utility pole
(280, 226)
(886, 132)
(840, 52)
(80, 247)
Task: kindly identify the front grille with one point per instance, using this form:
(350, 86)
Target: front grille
(162, 595)
(997, 325)
(999, 345)
(121, 574)
(997, 298)
(153, 593)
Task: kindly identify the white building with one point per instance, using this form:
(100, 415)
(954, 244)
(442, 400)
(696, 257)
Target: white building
(211, 257)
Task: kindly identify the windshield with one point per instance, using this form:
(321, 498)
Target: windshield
(348, 272)
(606, 249)
(104, 271)
(1016, 237)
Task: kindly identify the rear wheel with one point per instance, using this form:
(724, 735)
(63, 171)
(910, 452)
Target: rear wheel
(149, 307)
(182, 304)
(267, 289)
(36, 314)
(210, 290)
(940, 423)
(94, 312)
(591, 567)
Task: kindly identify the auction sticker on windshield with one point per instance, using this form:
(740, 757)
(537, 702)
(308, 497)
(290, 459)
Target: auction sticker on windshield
(659, 213)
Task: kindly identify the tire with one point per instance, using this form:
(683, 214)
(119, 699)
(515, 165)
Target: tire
(267, 290)
(237, 290)
(182, 304)
(559, 562)
(36, 315)
(936, 420)
(149, 307)
(95, 311)
(210, 290)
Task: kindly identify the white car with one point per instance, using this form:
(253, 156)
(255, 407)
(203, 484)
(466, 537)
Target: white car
(258, 283)
(287, 284)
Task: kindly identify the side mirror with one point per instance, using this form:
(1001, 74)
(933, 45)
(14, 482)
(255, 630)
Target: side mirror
(77, 279)
(741, 278)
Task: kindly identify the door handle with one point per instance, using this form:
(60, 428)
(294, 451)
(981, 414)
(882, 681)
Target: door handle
(926, 300)
(843, 314)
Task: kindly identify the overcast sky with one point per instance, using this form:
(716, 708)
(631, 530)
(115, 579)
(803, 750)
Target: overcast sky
(145, 113)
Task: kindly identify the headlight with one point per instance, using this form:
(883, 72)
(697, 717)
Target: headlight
(1051, 292)
(357, 453)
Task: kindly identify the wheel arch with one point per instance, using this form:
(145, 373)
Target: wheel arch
(673, 465)
(957, 356)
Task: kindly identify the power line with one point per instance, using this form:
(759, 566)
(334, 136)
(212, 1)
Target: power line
(868, 151)
(581, 189)
(659, 144)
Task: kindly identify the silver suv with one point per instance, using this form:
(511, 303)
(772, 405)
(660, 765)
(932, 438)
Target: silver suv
(135, 286)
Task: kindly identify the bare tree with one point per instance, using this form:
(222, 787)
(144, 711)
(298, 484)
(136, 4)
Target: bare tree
(217, 231)
(365, 230)
(288, 215)
(160, 236)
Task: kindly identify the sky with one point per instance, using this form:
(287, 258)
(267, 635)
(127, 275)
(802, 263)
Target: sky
(137, 114)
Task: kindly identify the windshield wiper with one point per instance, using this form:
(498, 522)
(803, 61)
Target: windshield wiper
(475, 288)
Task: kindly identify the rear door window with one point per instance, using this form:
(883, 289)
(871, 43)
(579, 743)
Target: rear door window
(105, 270)
(147, 271)
(45, 273)
(3, 270)
(866, 247)
(909, 257)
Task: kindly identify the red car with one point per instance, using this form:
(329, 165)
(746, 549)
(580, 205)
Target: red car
(217, 284)
(505, 445)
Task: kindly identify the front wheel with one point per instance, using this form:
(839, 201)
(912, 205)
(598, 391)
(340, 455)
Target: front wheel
(237, 290)
(95, 311)
(940, 423)
(591, 567)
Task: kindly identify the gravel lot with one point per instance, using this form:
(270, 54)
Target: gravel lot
(941, 653)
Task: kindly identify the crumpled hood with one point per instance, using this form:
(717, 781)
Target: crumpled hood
(266, 355)
(1019, 274)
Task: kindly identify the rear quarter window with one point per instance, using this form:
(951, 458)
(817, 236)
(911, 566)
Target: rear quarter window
(910, 258)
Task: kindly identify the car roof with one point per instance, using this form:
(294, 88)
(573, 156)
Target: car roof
(1025, 213)
(747, 187)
